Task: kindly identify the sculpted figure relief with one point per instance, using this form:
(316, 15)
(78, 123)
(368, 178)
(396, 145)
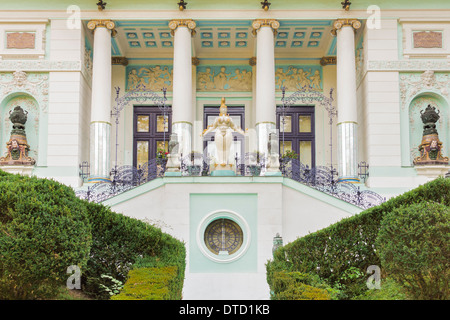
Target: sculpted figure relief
(224, 79)
(150, 77)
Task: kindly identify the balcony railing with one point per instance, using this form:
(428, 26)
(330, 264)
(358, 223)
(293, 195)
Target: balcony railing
(321, 178)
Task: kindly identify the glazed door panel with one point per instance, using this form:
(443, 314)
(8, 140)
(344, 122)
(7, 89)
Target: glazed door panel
(151, 131)
(298, 127)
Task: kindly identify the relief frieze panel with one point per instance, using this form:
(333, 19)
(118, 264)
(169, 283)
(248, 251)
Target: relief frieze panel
(149, 77)
(224, 78)
(297, 77)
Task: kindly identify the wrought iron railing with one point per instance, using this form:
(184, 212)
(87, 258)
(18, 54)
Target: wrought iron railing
(321, 178)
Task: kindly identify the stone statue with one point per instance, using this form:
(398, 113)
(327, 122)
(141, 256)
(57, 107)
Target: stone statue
(17, 147)
(223, 126)
(431, 147)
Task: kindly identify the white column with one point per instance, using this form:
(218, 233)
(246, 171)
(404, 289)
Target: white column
(182, 106)
(346, 100)
(100, 128)
(265, 116)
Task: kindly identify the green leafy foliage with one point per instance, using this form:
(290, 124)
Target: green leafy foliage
(150, 284)
(413, 244)
(118, 242)
(350, 243)
(43, 230)
(299, 286)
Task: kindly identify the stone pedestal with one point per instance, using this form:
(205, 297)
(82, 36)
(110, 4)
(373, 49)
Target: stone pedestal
(432, 171)
(24, 170)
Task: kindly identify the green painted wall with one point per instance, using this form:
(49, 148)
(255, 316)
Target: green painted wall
(201, 205)
(219, 4)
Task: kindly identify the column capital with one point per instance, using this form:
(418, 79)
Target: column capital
(189, 23)
(339, 23)
(258, 23)
(103, 23)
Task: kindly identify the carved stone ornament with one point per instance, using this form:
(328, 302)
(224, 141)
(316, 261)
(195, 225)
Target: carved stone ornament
(430, 148)
(17, 147)
(412, 84)
(339, 23)
(108, 24)
(189, 23)
(257, 24)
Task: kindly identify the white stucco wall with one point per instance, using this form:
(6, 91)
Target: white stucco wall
(291, 210)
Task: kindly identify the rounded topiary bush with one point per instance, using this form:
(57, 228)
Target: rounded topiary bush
(413, 245)
(43, 230)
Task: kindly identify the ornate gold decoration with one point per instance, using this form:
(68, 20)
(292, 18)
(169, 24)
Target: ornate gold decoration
(252, 61)
(339, 23)
(195, 61)
(258, 23)
(189, 23)
(119, 60)
(108, 24)
(327, 60)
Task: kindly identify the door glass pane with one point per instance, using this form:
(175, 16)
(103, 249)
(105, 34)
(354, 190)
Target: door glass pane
(143, 123)
(142, 152)
(286, 126)
(162, 123)
(305, 153)
(304, 123)
(287, 147)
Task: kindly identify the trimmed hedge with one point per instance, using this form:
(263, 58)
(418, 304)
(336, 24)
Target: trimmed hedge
(350, 243)
(119, 242)
(150, 284)
(43, 230)
(414, 248)
(299, 286)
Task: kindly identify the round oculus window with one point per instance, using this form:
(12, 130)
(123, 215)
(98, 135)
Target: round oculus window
(223, 236)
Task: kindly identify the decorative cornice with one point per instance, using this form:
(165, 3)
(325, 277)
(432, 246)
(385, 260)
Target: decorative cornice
(258, 23)
(409, 65)
(40, 65)
(327, 60)
(339, 23)
(119, 61)
(188, 23)
(103, 23)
